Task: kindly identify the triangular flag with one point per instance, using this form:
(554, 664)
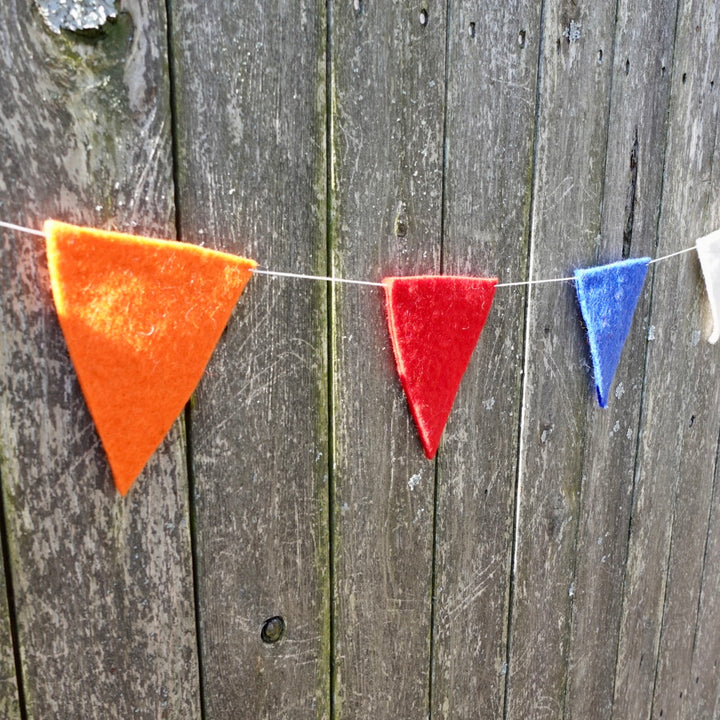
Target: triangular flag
(435, 322)
(608, 295)
(141, 318)
(708, 249)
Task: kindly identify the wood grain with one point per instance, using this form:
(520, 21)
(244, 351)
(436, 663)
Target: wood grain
(574, 92)
(701, 696)
(9, 698)
(632, 188)
(102, 584)
(492, 72)
(250, 98)
(388, 80)
(678, 448)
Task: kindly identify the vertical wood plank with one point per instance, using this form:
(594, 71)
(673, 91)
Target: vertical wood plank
(102, 584)
(492, 72)
(388, 80)
(701, 699)
(250, 89)
(571, 138)
(641, 71)
(677, 455)
(9, 698)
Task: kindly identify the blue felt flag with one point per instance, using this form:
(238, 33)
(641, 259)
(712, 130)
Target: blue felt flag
(608, 295)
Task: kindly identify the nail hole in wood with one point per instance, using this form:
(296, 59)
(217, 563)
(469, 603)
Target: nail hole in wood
(273, 630)
(471, 30)
(521, 38)
(600, 57)
(423, 17)
(684, 78)
(627, 67)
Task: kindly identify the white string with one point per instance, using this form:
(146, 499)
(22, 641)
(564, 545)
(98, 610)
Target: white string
(534, 282)
(665, 257)
(315, 277)
(22, 229)
(301, 276)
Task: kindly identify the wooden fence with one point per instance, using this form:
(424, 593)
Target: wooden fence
(557, 560)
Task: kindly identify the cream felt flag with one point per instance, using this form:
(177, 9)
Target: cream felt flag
(708, 249)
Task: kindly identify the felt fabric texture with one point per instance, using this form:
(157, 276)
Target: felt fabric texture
(435, 322)
(708, 249)
(141, 318)
(608, 295)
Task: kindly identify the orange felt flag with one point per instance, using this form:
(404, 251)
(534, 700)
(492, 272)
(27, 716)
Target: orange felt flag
(141, 318)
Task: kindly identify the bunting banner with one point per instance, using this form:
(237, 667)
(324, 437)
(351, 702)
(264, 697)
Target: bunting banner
(141, 318)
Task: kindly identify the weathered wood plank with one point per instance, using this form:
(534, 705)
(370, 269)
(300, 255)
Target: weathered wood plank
(677, 454)
(9, 698)
(643, 48)
(250, 99)
(388, 82)
(702, 699)
(102, 584)
(492, 71)
(574, 93)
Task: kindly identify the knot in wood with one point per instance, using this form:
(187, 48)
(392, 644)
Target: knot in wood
(273, 630)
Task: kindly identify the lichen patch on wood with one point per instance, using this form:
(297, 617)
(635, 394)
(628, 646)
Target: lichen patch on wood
(76, 15)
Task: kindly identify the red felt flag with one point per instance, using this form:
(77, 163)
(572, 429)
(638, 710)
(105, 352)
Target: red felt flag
(435, 322)
(141, 318)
